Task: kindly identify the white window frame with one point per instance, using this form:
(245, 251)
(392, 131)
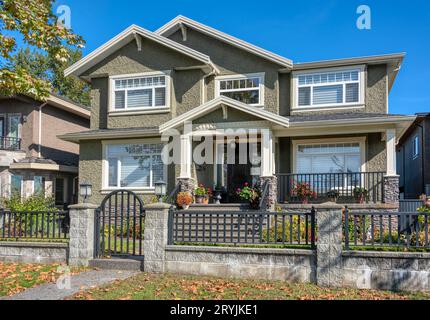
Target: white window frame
(141, 110)
(360, 140)
(415, 147)
(260, 75)
(344, 105)
(105, 167)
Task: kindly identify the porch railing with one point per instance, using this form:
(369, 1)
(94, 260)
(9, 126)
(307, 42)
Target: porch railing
(189, 227)
(10, 144)
(34, 225)
(386, 229)
(346, 185)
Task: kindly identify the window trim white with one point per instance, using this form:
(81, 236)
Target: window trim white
(105, 164)
(350, 105)
(260, 75)
(141, 110)
(360, 140)
(415, 147)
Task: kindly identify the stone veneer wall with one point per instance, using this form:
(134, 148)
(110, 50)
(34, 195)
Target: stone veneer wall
(33, 252)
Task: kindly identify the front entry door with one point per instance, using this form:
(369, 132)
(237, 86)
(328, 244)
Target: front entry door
(237, 175)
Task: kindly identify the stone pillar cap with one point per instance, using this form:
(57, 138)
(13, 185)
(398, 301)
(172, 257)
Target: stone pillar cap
(83, 206)
(328, 205)
(157, 205)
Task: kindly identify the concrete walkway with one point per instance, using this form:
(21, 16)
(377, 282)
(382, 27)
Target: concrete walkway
(78, 282)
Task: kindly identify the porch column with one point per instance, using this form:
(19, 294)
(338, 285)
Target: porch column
(391, 180)
(185, 157)
(266, 153)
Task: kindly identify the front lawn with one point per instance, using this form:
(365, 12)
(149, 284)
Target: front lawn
(15, 278)
(154, 287)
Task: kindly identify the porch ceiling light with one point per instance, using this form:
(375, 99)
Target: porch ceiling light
(85, 190)
(160, 189)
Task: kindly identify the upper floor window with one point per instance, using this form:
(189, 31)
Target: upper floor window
(140, 92)
(329, 89)
(416, 147)
(245, 88)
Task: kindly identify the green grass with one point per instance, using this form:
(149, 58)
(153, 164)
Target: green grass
(389, 248)
(15, 278)
(167, 286)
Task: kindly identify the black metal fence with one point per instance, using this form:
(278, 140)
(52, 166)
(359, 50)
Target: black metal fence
(120, 225)
(385, 229)
(241, 228)
(346, 186)
(11, 144)
(34, 225)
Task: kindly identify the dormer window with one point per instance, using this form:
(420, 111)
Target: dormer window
(247, 88)
(140, 92)
(329, 88)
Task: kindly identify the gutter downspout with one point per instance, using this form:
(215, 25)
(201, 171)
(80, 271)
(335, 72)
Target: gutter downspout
(39, 143)
(423, 190)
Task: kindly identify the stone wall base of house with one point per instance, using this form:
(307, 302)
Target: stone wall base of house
(391, 189)
(34, 252)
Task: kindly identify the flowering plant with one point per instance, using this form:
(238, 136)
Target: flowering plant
(184, 199)
(426, 206)
(252, 194)
(303, 191)
(201, 191)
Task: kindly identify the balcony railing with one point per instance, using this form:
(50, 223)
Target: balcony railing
(346, 186)
(10, 144)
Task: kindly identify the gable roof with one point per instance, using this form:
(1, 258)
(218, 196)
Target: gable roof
(124, 38)
(222, 100)
(173, 25)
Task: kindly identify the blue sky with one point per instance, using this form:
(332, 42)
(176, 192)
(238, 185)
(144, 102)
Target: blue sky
(299, 30)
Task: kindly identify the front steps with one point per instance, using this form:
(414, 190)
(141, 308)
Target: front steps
(118, 263)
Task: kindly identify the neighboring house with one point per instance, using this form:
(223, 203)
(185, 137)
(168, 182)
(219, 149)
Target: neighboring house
(325, 117)
(413, 158)
(32, 158)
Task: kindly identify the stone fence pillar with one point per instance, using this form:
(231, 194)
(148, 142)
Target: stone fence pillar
(329, 244)
(82, 233)
(272, 196)
(155, 236)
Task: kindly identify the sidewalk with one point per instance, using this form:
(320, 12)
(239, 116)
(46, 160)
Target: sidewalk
(78, 282)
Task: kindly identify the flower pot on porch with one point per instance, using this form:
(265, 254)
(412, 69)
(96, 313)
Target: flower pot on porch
(199, 199)
(185, 206)
(205, 200)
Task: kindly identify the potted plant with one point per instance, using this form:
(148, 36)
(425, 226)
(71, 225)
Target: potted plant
(360, 194)
(202, 195)
(184, 199)
(332, 195)
(250, 194)
(303, 191)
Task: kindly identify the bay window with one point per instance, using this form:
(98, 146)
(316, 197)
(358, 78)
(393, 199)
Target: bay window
(139, 92)
(245, 88)
(134, 165)
(329, 89)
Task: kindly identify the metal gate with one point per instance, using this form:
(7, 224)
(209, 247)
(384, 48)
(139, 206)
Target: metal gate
(120, 222)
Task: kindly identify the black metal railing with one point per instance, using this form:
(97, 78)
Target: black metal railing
(385, 229)
(10, 144)
(344, 184)
(242, 228)
(34, 225)
(410, 205)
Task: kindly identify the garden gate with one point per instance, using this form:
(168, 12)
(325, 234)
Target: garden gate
(119, 224)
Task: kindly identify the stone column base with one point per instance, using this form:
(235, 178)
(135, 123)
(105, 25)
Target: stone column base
(391, 189)
(186, 185)
(272, 196)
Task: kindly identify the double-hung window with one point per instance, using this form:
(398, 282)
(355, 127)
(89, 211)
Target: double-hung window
(134, 165)
(329, 89)
(245, 88)
(140, 92)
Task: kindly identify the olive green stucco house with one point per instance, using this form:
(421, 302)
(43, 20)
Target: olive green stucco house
(326, 123)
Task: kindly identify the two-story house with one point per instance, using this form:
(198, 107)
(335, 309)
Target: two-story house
(32, 158)
(325, 123)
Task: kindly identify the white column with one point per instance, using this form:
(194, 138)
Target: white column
(185, 156)
(266, 153)
(391, 152)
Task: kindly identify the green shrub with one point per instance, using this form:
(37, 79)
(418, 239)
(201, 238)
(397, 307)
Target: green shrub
(36, 202)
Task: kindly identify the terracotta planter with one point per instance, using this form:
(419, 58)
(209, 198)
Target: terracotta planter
(205, 200)
(199, 199)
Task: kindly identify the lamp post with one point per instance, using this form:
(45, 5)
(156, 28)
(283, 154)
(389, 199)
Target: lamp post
(85, 191)
(160, 190)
